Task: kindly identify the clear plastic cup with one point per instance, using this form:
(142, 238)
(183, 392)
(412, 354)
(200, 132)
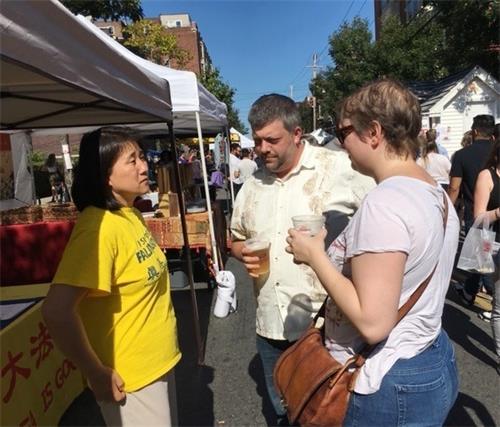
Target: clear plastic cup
(310, 224)
(259, 248)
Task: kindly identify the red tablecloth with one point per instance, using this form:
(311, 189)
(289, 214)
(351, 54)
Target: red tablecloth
(30, 253)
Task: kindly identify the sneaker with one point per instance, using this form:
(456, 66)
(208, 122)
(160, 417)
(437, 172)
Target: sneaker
(485, 315)
(464, 296)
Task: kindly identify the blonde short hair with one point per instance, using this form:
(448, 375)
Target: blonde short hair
(393, 106)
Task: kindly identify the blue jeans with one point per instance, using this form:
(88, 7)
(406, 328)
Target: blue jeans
(269, 351)
(419, 391)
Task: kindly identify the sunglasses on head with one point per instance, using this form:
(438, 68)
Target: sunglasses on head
(343, 132)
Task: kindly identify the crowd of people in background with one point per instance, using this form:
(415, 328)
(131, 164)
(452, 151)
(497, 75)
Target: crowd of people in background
(388, 198)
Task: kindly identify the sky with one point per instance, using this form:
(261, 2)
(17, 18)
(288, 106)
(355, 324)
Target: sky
(264, 46)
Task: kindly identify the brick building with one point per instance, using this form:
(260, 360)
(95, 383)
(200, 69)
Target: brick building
(111, 28)
(405, 10)
(188, 38)
(185, 31)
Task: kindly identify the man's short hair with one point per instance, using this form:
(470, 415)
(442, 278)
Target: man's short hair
(234, 146)
(269, 108)
(484, 124)
(245, 152)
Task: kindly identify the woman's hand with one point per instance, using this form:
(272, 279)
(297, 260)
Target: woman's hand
(107, 385)
(303, 247)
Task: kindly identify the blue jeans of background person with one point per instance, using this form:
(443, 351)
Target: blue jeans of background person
(269, 351)
(419, 391)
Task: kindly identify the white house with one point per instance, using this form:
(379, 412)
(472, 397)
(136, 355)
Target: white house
(450, 104)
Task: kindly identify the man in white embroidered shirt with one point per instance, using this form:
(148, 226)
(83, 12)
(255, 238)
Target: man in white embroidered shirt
(297, 179)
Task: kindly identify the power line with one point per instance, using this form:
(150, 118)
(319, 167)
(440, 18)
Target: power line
(361, 8)
(341, 22)
(347, 13)
(302, 71)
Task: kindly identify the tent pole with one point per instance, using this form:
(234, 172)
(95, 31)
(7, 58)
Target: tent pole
(180, 195)
(29, 155)
(227, 152)
(207, 194)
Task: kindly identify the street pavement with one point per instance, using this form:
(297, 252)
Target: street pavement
(228, 388)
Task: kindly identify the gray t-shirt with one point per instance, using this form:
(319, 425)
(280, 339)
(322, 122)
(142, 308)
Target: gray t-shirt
(401, 214)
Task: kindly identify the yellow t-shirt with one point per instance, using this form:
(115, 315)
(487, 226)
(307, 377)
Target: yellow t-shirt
(128, 314)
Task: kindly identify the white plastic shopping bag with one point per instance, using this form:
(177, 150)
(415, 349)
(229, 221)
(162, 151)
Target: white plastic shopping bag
(477, 250)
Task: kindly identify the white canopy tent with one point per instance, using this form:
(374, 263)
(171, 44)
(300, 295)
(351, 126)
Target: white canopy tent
(245, 142)
(18, 187)
(194, 108)
(188, 95)
(44, 84)
(55, 73)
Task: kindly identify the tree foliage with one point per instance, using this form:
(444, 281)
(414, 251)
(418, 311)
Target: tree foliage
(306, 116)
(471, 33)
(151, 41)
(114, 10)
(213, 82)
(352, 52)
(406, 52)
(445, 37)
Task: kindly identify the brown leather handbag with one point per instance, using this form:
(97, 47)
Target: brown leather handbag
(314, 387)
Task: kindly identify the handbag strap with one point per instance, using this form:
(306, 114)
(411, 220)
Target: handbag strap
(405, 308)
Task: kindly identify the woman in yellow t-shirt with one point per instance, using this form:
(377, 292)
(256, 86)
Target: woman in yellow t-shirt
(109, 308)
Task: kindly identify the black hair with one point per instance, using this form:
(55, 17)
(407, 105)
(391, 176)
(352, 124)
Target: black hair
(496, 131)
(99, 151)
(484, 124)
(493, 161)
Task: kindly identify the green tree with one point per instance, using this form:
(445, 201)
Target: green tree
(151, 41)
(213, 82)
(306, 116)
(445, 37)
(351, 51)
(114, 10)
(471, 31)
(408, 52)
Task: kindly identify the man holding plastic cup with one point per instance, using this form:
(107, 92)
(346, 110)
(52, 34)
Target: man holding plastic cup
(297, 179)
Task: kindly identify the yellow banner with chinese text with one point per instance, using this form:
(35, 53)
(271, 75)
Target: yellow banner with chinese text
(38, 382)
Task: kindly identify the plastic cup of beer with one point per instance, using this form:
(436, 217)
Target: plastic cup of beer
(259, 248)
(308, 224)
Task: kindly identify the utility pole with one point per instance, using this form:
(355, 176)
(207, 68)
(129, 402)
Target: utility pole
(314, 67)
(291, 91)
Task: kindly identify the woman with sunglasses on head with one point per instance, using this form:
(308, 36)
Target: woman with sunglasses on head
(109, 308)
(393, 243)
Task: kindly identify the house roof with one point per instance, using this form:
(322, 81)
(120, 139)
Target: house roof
(429, 92)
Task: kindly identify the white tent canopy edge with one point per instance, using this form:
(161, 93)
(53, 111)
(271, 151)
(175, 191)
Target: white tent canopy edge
(45, 84)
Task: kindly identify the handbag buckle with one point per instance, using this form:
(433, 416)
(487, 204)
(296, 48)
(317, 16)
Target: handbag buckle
(283, 403)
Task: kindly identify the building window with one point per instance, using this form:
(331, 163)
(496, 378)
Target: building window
(110, 31)
(178, 24)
